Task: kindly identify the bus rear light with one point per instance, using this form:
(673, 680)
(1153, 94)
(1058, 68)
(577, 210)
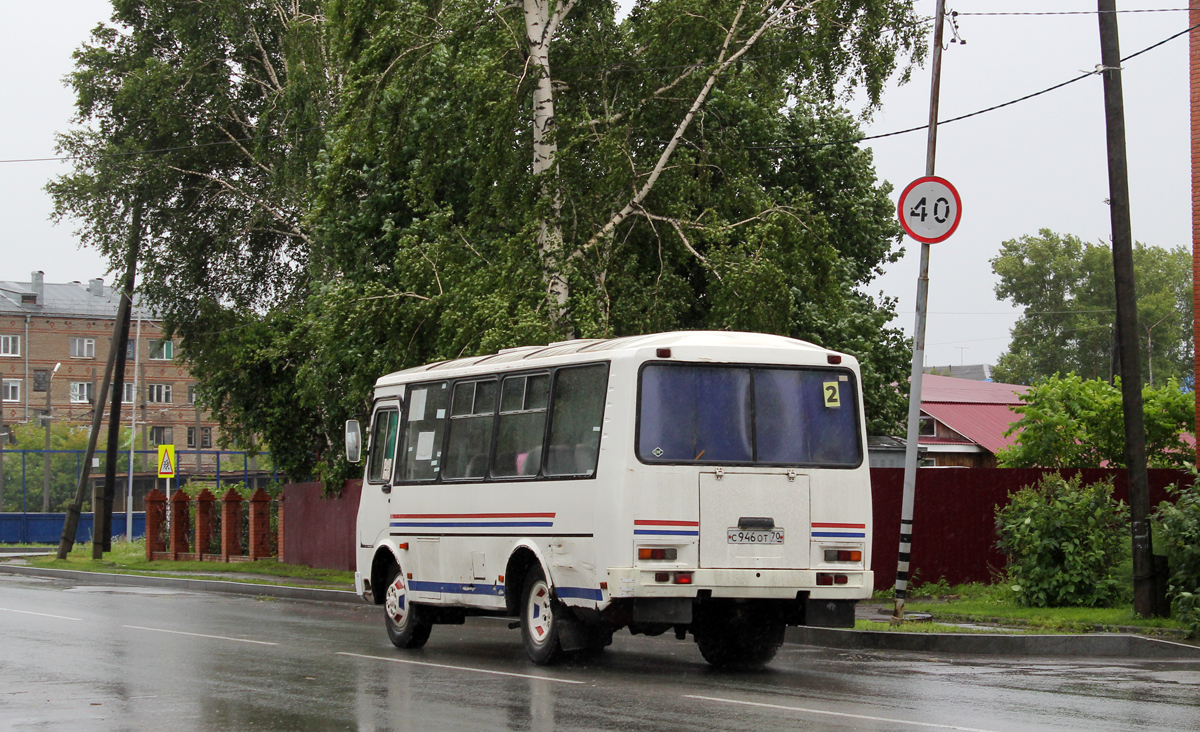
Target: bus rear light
(663, 353)
(662, 576)
(824, 579)
(840, 579)
(843, 555)
(668, 554)
(683, 578)
(834, 359)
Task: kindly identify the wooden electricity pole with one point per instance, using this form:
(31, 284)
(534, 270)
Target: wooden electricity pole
(1127, 331)
(102, 533)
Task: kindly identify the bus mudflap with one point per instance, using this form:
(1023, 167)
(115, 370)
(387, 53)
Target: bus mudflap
(820, 613)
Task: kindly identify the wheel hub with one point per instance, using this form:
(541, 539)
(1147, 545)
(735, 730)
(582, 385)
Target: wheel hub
(539, 615)
(396, 602)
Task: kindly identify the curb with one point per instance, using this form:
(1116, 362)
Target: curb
(1121, 645)
(197, 585)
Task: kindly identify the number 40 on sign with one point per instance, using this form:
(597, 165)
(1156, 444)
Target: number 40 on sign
(930, 209)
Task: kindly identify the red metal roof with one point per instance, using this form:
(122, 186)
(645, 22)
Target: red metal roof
(984, 424)
(965, 391)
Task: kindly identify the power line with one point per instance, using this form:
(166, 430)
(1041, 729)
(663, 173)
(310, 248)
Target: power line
(956, 14)
(853, 141)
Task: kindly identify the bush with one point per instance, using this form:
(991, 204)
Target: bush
(1179, 534)
(1064, 542)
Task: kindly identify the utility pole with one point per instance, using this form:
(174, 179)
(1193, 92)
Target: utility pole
(71, 524)
(1127, 336)
(102, 535)
(914, 383)
(46, 452)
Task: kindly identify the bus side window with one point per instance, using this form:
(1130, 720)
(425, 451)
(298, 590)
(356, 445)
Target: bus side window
(472, 412)
(421, 450)
(577, 419)
(522, 426)
(383, 446)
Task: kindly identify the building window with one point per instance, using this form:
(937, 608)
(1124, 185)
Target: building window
(10, 345)
(160, 436)
(130, 393)
(926, 427)
(12, 390)
(83, 348)
(130, 350)
(158, 393)
(205, 437)
(191, 393)
(163, 350)
(81, 392)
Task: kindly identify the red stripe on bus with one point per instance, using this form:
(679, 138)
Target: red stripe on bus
(473, 515)
(838, 526)
(640, 522)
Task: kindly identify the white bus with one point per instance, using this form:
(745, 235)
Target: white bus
(709, 483)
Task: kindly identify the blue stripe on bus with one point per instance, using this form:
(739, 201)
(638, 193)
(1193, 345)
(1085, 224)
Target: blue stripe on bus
(665, 532)
(583, 593)
(837, 535)
(462, 524)
(455, 588)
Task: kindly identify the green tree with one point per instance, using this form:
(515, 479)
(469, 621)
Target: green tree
(1070, 422)
(485, 175)
(1066, 287)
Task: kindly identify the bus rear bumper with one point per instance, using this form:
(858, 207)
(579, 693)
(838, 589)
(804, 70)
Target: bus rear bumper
(738, 583)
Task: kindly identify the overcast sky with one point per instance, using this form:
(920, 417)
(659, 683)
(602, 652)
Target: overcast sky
(1040, 163)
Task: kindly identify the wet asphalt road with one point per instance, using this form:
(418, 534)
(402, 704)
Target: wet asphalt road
(122, 658)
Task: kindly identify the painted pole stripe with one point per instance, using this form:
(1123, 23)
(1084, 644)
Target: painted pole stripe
(202, 635)
(460, 668)
(846, 715)
(470, 515)
(44, 615)
(645, 522)
(817, 525)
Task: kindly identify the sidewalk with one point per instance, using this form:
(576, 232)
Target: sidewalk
(1009, 642)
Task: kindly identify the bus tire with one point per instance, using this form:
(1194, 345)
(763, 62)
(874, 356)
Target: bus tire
(540, 615)
(406, 627)
(741, 644)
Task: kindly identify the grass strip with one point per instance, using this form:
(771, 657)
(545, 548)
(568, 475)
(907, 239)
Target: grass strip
(130, 558)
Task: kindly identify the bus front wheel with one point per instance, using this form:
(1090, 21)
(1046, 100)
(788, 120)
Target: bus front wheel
(405, 626)
(539, 619)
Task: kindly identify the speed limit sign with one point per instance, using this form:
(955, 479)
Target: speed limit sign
(930, 209)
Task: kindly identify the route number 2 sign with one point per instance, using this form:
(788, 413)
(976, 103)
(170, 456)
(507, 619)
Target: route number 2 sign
(930, 209)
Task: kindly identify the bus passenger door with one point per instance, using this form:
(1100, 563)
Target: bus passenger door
(754, 520)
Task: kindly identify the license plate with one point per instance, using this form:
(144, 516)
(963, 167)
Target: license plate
(755, 536)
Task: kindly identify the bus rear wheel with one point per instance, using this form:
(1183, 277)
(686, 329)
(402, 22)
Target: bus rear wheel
(741, 644)
(406, 627)
(539, 619)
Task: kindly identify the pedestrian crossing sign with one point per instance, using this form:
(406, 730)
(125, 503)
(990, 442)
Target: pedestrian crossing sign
(166, 461)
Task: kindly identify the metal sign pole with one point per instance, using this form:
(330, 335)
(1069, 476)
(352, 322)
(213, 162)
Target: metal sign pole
(914, 393)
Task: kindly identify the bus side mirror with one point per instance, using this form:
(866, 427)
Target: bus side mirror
(353, 441)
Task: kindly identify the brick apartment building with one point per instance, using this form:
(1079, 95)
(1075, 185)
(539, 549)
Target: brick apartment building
(70, 324)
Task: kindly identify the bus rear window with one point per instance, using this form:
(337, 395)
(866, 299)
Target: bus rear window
(728, 414)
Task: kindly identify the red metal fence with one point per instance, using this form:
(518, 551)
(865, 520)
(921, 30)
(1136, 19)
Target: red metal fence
(319, 531)
(954, 517)
(954, 532)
